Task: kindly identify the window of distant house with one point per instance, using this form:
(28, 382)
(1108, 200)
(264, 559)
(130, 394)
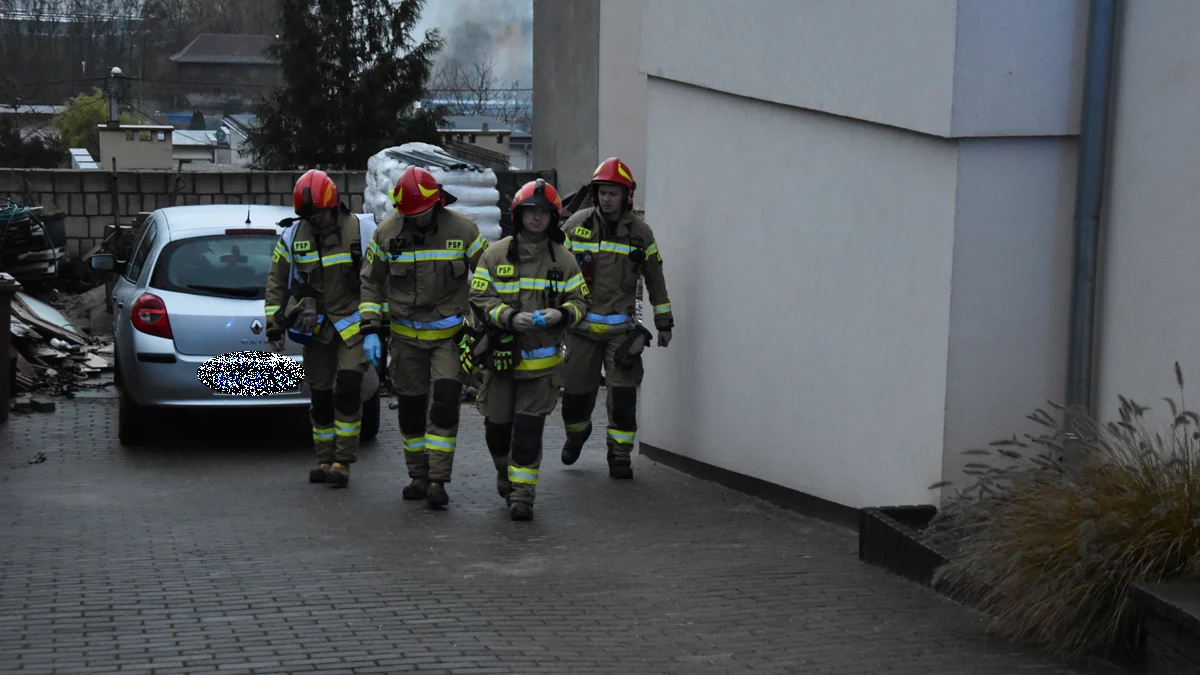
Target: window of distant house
(129, 135)
(162, 136)
(499, 139)
(472, 138)
(144, 136)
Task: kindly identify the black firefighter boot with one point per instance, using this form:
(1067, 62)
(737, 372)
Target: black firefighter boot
(339, 475)
(621, 470)
(320, 474)
(520, 511)
(436, 497)
(415, 490)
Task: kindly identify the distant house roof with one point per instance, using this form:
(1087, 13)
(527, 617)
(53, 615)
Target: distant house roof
(30, 109)
(227, 48)
(245, 121)
(194, 138)
(474, 124)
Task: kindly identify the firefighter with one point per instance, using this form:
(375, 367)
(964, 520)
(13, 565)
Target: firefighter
(418, 269)
(526, 292)
(312, 293)
(614, 248)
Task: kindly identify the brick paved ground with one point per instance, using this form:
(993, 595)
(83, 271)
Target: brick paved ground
(212, 553)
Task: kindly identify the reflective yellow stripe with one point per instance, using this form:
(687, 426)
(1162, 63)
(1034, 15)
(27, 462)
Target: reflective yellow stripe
(622, 437)
(307, 257)
(350, 331)
(482, 273)
(364, 307)
(425, 334)
(270, 310)
(519, 475)
(540, 364)
(579, 426)
(479, 244)
(346, 429)
(322, 433)
(424, 256)
(281, 252)
(652, 250)
(414, 444)
(439, 443)
(573, 283)
(663, 308)
(494, 314)
(336, 259)
(525, 284)
(576, 313)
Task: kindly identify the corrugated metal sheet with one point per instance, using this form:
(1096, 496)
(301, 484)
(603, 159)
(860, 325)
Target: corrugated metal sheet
(433, 159)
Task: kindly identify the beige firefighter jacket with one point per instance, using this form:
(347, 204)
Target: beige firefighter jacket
(420, 279)
(544, 276)
(608, 254)
(330, 265)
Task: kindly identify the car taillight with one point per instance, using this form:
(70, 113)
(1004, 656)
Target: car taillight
(149, 315)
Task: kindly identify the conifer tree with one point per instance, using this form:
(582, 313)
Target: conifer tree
(352, 73)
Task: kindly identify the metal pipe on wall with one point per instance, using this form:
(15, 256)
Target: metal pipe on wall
(1089, 201)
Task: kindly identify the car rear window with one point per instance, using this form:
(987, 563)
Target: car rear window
(231, 266)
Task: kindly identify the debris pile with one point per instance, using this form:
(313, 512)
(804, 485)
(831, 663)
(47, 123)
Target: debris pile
(32, 245)
(60, 352)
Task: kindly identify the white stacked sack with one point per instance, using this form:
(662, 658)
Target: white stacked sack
(475, 189)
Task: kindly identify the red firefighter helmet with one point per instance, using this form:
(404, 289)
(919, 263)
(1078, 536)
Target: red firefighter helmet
(615, 172)
(538, 193)
(315, 190)
(417, 191)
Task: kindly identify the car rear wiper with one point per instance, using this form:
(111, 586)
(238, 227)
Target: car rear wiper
(243, 292)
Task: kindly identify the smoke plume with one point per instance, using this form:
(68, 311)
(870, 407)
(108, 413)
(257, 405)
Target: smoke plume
(476, 29)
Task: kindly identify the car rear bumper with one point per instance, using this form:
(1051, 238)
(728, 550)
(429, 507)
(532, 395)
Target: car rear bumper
(157, 375)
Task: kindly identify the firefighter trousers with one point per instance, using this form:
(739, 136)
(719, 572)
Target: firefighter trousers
(334, 373)
(514, 413)
(428, 381)
(586, 355)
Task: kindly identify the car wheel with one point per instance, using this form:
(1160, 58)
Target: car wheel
(370, 418)
(132, 421)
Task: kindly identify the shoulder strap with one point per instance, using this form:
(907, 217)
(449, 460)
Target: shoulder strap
(288, 237)
(366, 230)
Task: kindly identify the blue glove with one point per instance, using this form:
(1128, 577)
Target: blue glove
(372, 349)
(538, 319)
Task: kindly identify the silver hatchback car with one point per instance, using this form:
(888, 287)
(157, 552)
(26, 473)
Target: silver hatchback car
(193, 289)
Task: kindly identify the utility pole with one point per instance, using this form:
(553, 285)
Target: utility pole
(113, 87)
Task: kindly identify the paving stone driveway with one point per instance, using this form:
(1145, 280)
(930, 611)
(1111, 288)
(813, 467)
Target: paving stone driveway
(212, 553)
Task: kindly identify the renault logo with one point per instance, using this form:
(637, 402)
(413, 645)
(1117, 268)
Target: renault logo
(256, 327)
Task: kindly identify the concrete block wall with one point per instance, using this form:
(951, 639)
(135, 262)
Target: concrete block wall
(89, 201)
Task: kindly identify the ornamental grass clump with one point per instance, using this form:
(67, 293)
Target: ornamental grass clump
(1057, 526)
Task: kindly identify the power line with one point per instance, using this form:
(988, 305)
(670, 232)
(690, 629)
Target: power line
(254, 85)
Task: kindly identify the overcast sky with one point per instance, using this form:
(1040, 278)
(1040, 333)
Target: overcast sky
(476, 28)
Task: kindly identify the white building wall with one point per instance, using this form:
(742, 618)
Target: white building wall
(622, 99)
(1149, 307)
(819, 343)
(812, 319)
(1010, 291)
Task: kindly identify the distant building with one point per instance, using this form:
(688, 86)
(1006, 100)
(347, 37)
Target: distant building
(218, 72)
(492, 135)
(33, 121)
(137, 146)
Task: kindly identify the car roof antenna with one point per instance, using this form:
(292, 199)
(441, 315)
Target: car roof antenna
(247, 215)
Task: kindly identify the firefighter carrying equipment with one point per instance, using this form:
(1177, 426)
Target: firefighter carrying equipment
(630, 349)
(300, 286)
